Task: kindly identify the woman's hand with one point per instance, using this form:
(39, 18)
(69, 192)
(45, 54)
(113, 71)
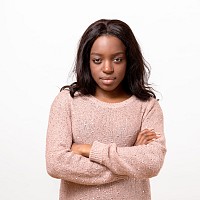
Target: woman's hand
(81, 149)
(146, 136)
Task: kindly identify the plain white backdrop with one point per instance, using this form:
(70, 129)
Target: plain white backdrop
(38, 42)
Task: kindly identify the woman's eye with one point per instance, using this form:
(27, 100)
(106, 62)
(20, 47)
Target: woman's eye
(117, 60)
(97, 60)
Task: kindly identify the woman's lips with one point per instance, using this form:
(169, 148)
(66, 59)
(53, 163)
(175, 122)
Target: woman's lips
(107, 81)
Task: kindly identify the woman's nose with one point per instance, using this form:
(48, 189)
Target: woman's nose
(108, 67)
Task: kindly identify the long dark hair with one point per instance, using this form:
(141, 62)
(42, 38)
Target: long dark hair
(137, 72)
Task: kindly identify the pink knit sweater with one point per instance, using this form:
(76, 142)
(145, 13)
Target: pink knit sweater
(115, 168)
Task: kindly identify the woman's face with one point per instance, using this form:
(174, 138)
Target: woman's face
(108, 64)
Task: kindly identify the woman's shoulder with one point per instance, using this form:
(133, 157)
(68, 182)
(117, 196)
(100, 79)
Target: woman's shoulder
(62, 98)
(63, 94)
(152, 101)
(147, 105)
(149, 102)
(152, 104)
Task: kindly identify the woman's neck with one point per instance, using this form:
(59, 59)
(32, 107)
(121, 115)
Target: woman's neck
(111, 97)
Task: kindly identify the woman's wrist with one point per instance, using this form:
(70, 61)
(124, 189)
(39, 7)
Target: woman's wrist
(81, 149)
(86, 150)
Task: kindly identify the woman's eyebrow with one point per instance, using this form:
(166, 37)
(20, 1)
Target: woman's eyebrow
(114, 54)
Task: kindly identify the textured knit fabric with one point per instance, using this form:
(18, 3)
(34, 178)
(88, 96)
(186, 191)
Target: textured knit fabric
(115, 169)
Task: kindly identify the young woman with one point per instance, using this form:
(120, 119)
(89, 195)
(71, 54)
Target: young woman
(105, 135)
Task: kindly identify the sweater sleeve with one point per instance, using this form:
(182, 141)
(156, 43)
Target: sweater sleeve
(63, 164)
(143, 161)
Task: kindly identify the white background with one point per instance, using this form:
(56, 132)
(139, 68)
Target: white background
(38, 41)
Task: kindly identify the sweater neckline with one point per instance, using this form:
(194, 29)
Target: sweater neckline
(111, 105)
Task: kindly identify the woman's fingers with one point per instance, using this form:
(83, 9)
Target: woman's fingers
(146, 136)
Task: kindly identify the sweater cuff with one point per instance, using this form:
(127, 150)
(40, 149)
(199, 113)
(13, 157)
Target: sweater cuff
(96, 153)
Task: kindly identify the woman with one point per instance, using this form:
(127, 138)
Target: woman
(105, 135)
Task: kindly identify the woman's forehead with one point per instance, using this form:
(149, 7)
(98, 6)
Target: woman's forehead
(107, 43)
